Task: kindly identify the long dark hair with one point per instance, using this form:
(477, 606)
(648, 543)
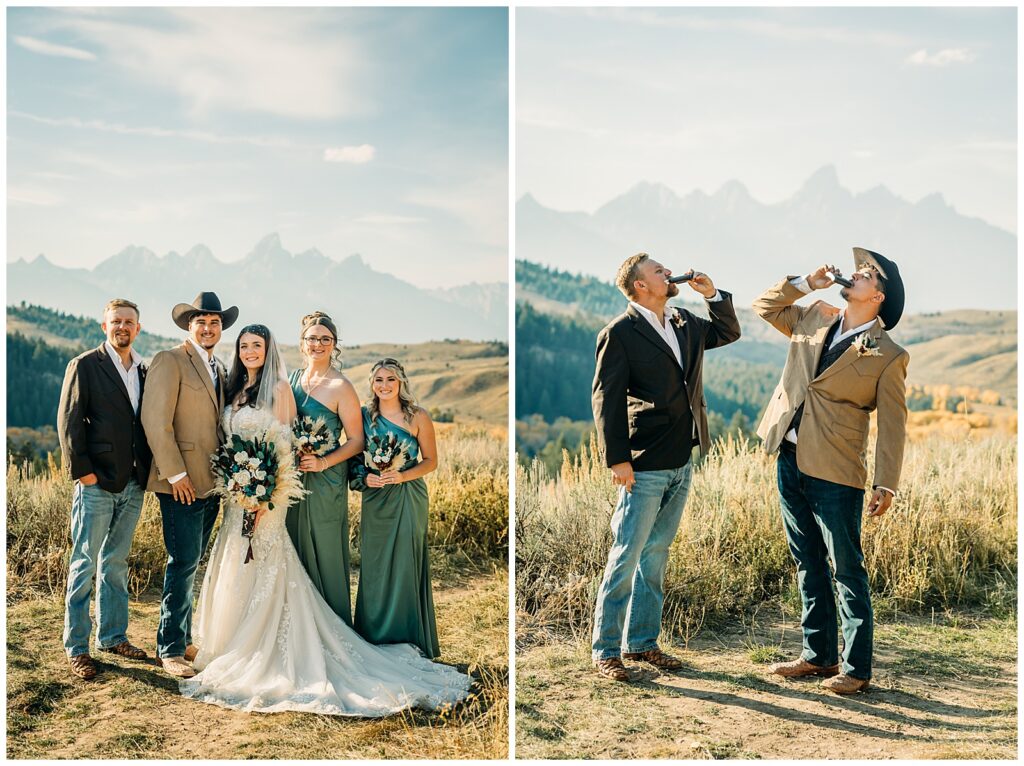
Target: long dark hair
(238, 376)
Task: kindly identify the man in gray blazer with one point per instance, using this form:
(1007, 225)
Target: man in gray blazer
(104, 450)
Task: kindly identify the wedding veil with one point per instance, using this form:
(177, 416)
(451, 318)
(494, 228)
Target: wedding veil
(274, 371)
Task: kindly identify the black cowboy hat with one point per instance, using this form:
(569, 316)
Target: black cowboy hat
(205, 303)
(892, 306)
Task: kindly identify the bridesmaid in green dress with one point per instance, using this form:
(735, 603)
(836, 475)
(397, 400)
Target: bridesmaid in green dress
(318, 524)
(394, 602)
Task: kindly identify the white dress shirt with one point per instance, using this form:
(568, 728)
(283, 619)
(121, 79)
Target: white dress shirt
(210, 368)
(129, 376)
(665, 329)
(801, 284)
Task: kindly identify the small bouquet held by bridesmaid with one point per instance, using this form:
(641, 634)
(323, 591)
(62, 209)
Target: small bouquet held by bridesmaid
(313, 436)
(252, 474)
(384, 453)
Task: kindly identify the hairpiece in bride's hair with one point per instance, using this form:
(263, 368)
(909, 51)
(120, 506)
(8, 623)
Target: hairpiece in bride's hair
(256, 329)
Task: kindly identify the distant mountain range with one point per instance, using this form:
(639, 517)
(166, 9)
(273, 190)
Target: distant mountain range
(272, 286)
(947, 260)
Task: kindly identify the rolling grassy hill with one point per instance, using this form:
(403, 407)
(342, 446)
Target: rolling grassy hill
(962, 347)
(467, 378)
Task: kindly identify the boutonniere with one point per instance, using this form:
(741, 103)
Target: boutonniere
(677, 318)
(866, 345)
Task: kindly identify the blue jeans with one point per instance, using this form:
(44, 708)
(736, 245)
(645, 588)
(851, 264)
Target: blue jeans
(102, 526)
(823, 523)
(632, 592)
(187, 531)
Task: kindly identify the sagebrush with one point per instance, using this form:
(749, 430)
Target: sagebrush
(469, 509)
(950, 540)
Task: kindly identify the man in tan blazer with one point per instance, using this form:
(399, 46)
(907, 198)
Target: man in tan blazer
(181, 414)
(842, 365)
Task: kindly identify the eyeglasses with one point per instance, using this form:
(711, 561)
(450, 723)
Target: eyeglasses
(313, 340)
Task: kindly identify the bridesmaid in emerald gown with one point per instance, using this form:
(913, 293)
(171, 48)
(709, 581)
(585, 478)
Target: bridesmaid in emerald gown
(394, 601)
(318, 524)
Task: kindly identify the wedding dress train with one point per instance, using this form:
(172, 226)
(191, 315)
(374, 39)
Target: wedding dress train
(268, 642)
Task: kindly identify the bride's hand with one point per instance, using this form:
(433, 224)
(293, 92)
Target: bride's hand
(311, 463)
(259, 515)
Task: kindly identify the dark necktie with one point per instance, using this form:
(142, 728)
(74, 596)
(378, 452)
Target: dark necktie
(216, 377)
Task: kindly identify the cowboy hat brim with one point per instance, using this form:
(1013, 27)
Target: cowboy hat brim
(895, 296)
(182, 314)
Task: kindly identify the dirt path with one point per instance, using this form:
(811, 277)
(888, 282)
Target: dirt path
(942, 690)
(133, 710)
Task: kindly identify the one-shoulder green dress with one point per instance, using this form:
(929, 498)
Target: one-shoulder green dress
(318, 524)
(394, 601)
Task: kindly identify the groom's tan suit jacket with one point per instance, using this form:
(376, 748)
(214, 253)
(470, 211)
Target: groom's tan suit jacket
(181, 416)
(833, 438)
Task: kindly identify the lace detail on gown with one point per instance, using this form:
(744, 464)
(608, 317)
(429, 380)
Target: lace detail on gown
(269, 643)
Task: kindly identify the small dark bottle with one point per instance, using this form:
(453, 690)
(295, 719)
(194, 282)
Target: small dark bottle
(681, 278)
(839, 279)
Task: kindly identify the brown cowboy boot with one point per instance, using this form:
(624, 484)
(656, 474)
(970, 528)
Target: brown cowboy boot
(612, 668)
(844, 684)
(655, 657)
(126, 649)
(801, 667)
(83, 666)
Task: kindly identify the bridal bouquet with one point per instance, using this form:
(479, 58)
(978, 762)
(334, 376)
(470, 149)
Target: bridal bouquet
(255, 474)
(384, 453)
(313, 437)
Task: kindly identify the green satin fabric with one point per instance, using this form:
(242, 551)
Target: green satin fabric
(395, 602)
(318, 524)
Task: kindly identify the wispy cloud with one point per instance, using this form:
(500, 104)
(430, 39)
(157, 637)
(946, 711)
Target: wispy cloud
(791, 30)
(357, 155)
(52, 49)
(25, 195)
(268, 60)
(945, 57)
(151, 131)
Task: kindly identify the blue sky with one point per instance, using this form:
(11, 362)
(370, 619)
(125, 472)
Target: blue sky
(377, 131)
(922, 100)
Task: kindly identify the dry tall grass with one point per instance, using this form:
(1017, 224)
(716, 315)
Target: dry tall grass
(950, 540)
(468, 515)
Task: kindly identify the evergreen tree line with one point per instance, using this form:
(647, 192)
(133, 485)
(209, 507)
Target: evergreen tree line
(83, 331)
(555, 369)
(35, 372)
(588, 294)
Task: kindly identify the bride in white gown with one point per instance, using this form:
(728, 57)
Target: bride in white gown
(268, 642)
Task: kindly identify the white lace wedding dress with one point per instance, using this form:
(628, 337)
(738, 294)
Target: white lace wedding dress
(268, 642)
